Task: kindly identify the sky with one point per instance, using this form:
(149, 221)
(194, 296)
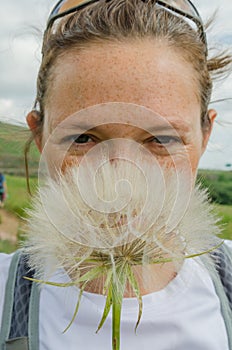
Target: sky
(21, 27)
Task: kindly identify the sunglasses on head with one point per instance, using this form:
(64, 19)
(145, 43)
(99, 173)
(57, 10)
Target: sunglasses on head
(183, 8)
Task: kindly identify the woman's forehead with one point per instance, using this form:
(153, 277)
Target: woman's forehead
(141, 74)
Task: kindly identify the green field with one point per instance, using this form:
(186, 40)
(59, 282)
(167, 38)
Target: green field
(13, 139)
(19, 199)
(219, 185)
(225, 212)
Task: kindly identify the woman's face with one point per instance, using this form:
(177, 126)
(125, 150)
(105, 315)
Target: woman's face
(145, 73)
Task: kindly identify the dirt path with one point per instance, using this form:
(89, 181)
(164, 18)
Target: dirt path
(9, 225)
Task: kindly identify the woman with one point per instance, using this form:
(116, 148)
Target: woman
(3, 190)
(152, 58)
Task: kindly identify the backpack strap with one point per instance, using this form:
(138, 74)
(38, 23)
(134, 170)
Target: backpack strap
(20, 323)
(223, 285)
(224, 269)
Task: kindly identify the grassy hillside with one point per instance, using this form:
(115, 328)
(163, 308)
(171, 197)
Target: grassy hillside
(18, 197)
(12, 143)
(18, 200)
(225, 212)
(219, 184)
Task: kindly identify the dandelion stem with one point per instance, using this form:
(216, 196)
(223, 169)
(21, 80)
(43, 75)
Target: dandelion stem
(118, 288)
(116, 312)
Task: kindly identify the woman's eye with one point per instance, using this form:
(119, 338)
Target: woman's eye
(81, 139)
(166, 140)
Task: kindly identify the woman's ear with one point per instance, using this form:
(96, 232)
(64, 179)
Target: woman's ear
(35, 124)
(212, 114)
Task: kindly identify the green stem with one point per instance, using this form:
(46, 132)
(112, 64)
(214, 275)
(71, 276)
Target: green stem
(116, 321)
(118, 288)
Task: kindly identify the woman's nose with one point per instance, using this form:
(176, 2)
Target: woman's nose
(121, 148)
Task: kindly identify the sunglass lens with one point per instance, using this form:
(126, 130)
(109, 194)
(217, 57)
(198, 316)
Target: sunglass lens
(182, 5)
(66, 5)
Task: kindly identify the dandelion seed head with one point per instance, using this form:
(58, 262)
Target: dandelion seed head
(65, 230)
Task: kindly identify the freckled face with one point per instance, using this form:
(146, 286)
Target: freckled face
(145, 73)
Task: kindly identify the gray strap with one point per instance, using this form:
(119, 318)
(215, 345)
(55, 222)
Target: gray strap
(225, 310)
(9, 300)
(220, 272)
(225, 271)
(19, 343)
(227, 283)
(33, 326)
(22, 292)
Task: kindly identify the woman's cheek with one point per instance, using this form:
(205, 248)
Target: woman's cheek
(70, 161)
(184, 161)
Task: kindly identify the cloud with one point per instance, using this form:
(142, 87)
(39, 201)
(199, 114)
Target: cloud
(5, 106)
(20, 54)
(19, 70)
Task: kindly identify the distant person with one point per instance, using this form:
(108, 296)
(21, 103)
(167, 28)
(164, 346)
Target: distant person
(3, 190)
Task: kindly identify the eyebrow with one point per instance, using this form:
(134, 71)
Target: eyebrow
(168, 126)
(81, 126)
